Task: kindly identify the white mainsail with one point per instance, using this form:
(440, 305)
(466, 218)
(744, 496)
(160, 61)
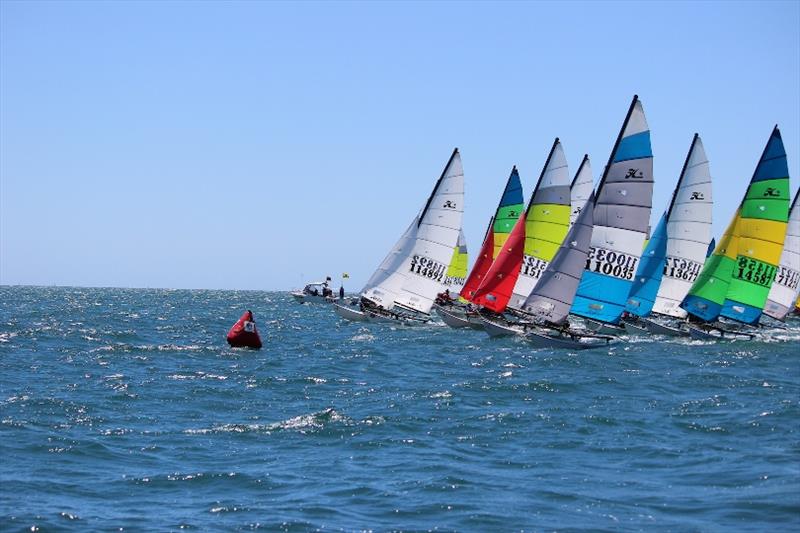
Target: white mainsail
(688, 232)
(384, 285)
(783, 293)
(412, 274)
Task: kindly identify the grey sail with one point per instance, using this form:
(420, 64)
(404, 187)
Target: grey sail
(552, 297)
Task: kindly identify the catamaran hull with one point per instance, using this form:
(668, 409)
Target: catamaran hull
(715, 334)
(498, 329)
(542, 340)
(459, 320)
(603, 328)
(635, 329)
(662, 329)
(350, 313)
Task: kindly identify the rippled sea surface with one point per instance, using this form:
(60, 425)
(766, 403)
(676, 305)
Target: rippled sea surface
(125, 409)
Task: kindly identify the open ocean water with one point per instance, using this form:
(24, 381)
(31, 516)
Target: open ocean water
(124, 409)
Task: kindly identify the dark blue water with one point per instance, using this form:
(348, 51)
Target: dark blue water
(125, 409)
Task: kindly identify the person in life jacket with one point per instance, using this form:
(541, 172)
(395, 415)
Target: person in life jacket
(244, 334)
(444, 298)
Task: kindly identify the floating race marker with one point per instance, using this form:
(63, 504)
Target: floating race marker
(244, 333)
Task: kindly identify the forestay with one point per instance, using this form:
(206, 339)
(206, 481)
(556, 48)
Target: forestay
(621, 216)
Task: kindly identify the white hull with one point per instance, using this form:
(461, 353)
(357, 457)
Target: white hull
(355, 314)
(498, 329)
(457, 318)
(350, 313)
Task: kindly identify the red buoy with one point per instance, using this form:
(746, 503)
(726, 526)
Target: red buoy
(244, 334)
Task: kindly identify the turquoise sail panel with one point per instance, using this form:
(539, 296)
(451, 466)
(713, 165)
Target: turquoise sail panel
(607, 304)
(650, 271)
(635, 146)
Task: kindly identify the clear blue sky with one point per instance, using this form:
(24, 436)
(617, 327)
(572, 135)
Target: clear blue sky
(254, 145)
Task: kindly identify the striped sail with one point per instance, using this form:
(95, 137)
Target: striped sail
(648, 275)
(688, 231)
(764, 217)
(413, 272)
(708, 291)
(552, 297)
(736, 279)
(546, 223)
(495, 289)
(581, 188)
(508, 211)
(500, 226)
(784, 289)
(621, 216)
(457, 270)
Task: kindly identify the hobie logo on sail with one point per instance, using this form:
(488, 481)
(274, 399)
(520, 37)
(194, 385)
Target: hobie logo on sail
(449, 204)
(697, 196)
(772, 192)
(634, 173)
(611, 263)
(427, 268)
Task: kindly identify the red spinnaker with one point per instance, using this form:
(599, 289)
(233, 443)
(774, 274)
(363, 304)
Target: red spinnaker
(498, 283)
(244, 334)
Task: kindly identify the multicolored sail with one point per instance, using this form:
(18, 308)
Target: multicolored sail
(688, 231)
(532, 242)
(546, 223)
(581, 188)
(498, 283)
(500, 226)
(737, 278)
(457, 271)
(552, 297)
(784, 289)
(648, 275)
(413, 273)
(621, 216)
